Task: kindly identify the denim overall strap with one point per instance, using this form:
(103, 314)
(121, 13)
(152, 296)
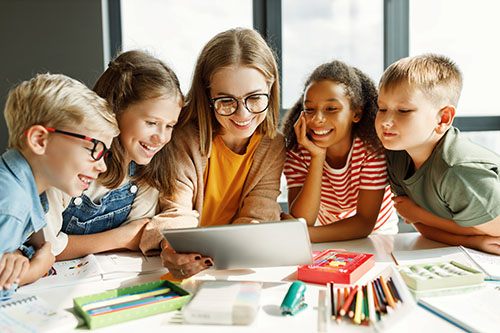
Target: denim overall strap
(83, 216)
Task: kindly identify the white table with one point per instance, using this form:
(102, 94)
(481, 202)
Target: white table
(276, 283)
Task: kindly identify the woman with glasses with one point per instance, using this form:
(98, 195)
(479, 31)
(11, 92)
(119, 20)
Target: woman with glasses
(146, 98)
(228, 152)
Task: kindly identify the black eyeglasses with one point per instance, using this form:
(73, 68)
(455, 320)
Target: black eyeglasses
(98, 151)
(227, 105)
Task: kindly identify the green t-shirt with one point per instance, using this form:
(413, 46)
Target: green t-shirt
(460, 180)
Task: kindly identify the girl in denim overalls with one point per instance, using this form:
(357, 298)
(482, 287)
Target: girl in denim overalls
(145, 96)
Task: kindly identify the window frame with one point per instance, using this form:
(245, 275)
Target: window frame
(267, 20)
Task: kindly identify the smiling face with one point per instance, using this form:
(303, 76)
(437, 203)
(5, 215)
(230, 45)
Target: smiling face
(68, 164)
(407, 120)
(329, 117)
(239, 82)
(146, 127)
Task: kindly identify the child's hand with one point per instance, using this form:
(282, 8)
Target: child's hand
(407, 209)
(183, 266)
(300, 128)
(13, 266)
(40, 264)
(131, 233)
(488, 244)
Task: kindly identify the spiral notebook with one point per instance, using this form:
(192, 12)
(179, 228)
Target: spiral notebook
(23, 313)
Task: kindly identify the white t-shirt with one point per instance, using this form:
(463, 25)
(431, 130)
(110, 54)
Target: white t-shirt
(145, 205)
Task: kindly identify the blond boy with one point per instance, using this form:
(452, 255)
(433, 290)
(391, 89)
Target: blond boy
(49, 118)
(447, 186)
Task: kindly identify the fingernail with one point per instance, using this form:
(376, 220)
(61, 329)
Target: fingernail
(6, 286)
(208, 262)
(197, 258)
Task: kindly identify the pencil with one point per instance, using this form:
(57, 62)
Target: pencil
(352, 306)
(359, 306)
(332, 300)
(388, 294)
(365, 315)
(378, 302)
(394, 290)
(339, 304)
(132, 304)
(348, 301)
(124, 298)
(381, 302)
(371, 304)
(381, 291)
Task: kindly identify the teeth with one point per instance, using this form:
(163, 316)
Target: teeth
(242, 123)
(323, 132)
(148, 147)
(85, 180)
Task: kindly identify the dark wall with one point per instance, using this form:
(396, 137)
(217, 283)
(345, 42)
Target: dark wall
(57, 36)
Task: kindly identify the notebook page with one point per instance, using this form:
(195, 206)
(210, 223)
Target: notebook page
(33, 314)
(490, 263)
(475, 311)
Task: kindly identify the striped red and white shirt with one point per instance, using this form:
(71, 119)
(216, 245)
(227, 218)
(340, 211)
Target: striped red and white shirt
(364, 170)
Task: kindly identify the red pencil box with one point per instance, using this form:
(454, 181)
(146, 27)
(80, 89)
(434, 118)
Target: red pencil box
(336, 266)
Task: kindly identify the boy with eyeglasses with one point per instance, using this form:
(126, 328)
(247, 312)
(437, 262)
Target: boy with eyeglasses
(447, 186)
(49, 118)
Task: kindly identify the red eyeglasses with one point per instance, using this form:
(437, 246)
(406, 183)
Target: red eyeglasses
(98, 151)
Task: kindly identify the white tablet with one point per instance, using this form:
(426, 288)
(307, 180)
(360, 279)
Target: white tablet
(283, 243)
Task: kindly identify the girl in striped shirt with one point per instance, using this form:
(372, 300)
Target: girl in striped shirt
(335, 166)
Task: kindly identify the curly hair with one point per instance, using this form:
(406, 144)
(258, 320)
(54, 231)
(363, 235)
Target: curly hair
(360, 90)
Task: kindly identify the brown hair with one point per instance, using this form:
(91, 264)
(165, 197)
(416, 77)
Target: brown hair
(360, 90)
(230, 48)
(436, 75)
(132, 77)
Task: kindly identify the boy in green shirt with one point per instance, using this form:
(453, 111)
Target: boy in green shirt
(447, 186)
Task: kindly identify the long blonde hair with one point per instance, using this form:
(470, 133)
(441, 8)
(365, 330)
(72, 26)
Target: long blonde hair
(230, 48)
(132, 77)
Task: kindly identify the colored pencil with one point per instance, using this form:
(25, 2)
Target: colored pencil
(358, 306)
(170, 293)
(388, 294)
(332, 301)
(394, 290)
(371, 304)
(348, 301)
(133, 304)
(352, 306)
(124, 298)
(381, 303)
(339, 304)
(364, 313)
